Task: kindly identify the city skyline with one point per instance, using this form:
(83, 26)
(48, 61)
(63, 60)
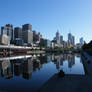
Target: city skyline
(16, 32)
(48, 16)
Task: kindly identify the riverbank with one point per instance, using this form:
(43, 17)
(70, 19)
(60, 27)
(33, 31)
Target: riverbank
(71, 83)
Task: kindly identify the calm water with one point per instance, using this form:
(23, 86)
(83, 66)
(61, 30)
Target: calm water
(28, 75)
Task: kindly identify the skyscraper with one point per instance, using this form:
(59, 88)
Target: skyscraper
(61, 39)
(36, 36)
(81, 41)
(17, 32)
(26, 27)
(58, 37)
(27, 34)
(8, 30)
(71, 38)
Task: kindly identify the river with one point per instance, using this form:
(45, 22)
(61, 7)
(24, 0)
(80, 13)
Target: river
(28, 74)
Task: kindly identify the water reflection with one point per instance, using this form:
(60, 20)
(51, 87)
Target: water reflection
(70, 63)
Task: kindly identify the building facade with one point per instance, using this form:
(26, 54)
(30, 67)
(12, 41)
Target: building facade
(8, 30)
(17, 33)
(81, 41)
(27, 34)
(4, 40)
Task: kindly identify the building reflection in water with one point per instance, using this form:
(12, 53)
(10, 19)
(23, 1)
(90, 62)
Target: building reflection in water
(6, 69)
(25, 67)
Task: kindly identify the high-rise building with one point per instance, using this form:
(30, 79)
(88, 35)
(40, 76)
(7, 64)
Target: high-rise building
(47, 43)
(61, 39)
(64, 44)
(26, 27)
(27, 34)
(69, 44)
(27, 37)
(36, 36)
(58, 37)
(8, 30)
(4, 39)
(3, 30)
(17, 32)
(71, 38)
(81, 41)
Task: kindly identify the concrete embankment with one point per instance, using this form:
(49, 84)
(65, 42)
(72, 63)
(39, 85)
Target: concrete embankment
(71, 83)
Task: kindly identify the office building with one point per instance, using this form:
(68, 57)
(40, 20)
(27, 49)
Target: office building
(8, 30)
(26, 27)
(4, 40)
(17, 33)
(27, 34)
(71, 38)
(81, 41)
(69, 44)
(61, 39)
(36, 37)
(18, 41)
(58, 37)
(47, 43)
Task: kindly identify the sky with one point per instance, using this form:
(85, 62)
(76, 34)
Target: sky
(48, 16)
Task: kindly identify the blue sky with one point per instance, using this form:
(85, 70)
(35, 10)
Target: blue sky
(47, 16)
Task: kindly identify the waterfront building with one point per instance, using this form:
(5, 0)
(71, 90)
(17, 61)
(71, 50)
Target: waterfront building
(78, 45)
(18, 41)
(27, 34)
(47, 43)
(4, 40)
(36, 37)
(42, 40)
(17, 33)
(52, 44)
(8, 30)
(26, 27)
(27, 37)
